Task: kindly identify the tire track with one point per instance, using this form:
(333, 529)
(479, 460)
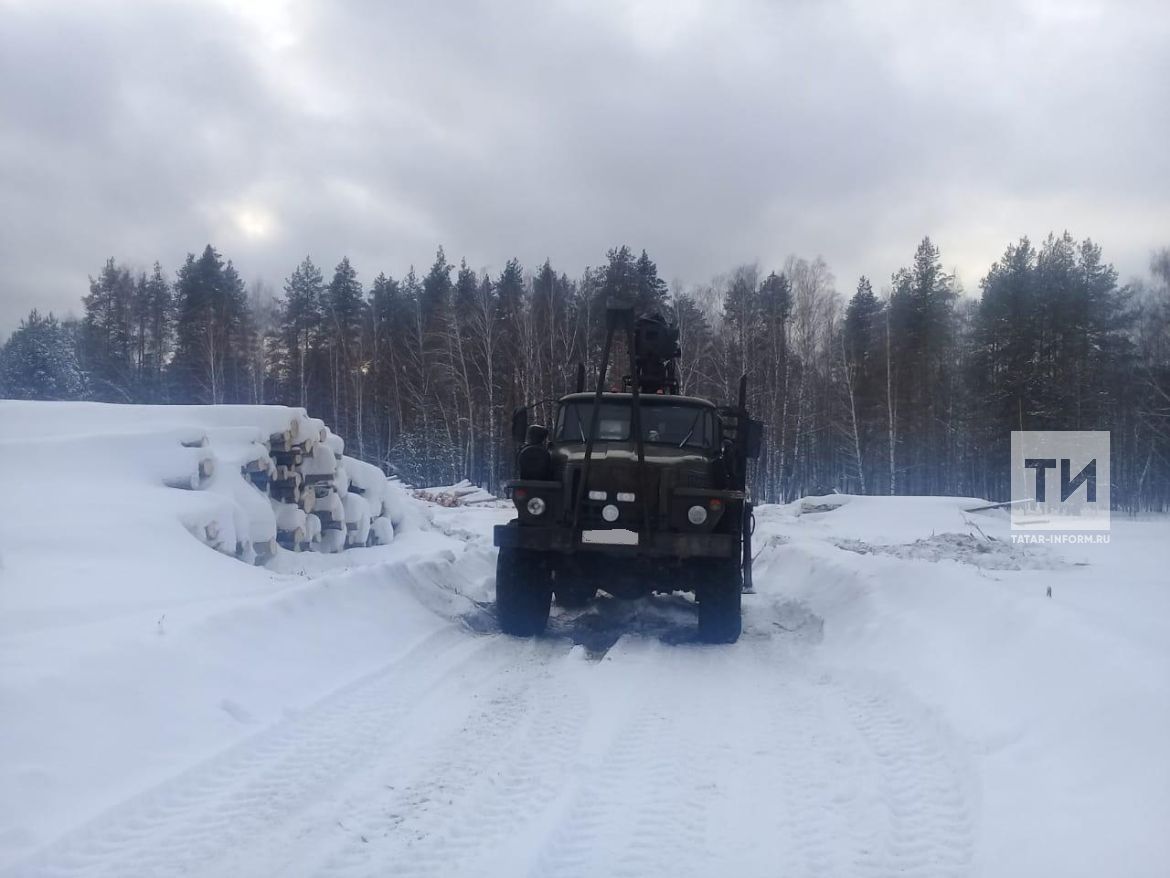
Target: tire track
(185, 824)
(923, 792)
(473, 802)
(641, 807)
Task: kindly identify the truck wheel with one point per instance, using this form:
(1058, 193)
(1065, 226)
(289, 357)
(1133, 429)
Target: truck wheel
(720, 594)
(523, 592)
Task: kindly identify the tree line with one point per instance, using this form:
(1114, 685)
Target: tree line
(911, 391)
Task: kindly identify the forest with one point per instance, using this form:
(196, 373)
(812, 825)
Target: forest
(910, 389)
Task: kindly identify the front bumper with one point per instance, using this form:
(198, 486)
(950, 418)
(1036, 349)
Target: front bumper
(656, 545)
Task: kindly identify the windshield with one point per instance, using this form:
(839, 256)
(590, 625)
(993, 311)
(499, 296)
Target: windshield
(684, 426)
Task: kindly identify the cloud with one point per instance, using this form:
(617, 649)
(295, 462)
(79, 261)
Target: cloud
(709, 133)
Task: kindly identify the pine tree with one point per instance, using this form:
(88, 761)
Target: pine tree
(921, 314)
(212, 332)
(301, 324)
(386, 319)
(344, 319)
(155, 316)
(240, 336)
(39, 361)
(741, 326)
(651, 296)
(510, 313)
(108, 334)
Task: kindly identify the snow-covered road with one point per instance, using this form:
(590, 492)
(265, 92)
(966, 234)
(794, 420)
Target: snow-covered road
(482, 755)
(900, 704)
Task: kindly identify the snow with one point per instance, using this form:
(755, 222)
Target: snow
(90, 418)
(320, 461)
(357, 518)
(368, 480)
(906, 697)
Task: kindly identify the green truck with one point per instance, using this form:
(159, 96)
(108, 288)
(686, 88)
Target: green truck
(630, 492)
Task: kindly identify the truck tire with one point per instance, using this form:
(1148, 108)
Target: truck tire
(523, 592)
(720, 596)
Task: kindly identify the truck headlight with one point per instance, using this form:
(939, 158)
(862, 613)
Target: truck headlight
(609, 512)
(696, 515)
(536, 506)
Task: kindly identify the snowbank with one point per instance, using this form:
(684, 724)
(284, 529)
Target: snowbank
(130, 649)
(1062, 703)
(269, 467)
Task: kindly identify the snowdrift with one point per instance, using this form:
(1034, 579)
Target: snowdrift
(131, 649)
(269, 476)
(1046, 668)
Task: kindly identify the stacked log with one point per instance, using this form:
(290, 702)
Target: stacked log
(367, 512)
(295, 488)
(462, 493)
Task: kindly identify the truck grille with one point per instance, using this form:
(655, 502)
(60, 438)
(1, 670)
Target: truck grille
(613, 479)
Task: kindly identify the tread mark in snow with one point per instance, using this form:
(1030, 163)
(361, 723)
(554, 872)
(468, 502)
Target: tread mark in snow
(486, 755)
(482, 787)
(186, 823)
(929, 828)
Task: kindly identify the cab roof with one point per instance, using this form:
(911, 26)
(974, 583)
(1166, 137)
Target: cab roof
(644, 399)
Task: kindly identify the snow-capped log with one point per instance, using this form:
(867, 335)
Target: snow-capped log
(312, 529)
(462, 493)
(381, 531)
(367, 480)
(195, 468)
(293, 540)
(288, 475)
(335, 442)
(397, 506)
(332, 541)
(319, 465)
(331, 512)
(288, 517)
(263, 552)
(357, 519)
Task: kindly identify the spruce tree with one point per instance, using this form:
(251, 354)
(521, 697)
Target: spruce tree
(345, 312)
(108, 334)
(39, 361)
(301, 322)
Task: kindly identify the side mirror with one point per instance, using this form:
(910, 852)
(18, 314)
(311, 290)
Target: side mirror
(519, 424)
(753, 439)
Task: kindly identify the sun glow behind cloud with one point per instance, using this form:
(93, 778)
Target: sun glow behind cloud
(274, 23)
(254, 222)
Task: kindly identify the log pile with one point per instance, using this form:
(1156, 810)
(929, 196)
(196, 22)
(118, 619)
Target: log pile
(296, 489)
(462, 493)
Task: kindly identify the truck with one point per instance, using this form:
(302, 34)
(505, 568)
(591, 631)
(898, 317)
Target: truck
(632, 490)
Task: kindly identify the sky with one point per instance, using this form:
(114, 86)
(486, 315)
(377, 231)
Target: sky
(711, 134)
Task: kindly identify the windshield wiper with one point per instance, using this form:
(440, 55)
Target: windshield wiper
(691, 431)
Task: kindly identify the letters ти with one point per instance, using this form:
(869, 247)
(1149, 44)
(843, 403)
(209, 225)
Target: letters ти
(1068, 483)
